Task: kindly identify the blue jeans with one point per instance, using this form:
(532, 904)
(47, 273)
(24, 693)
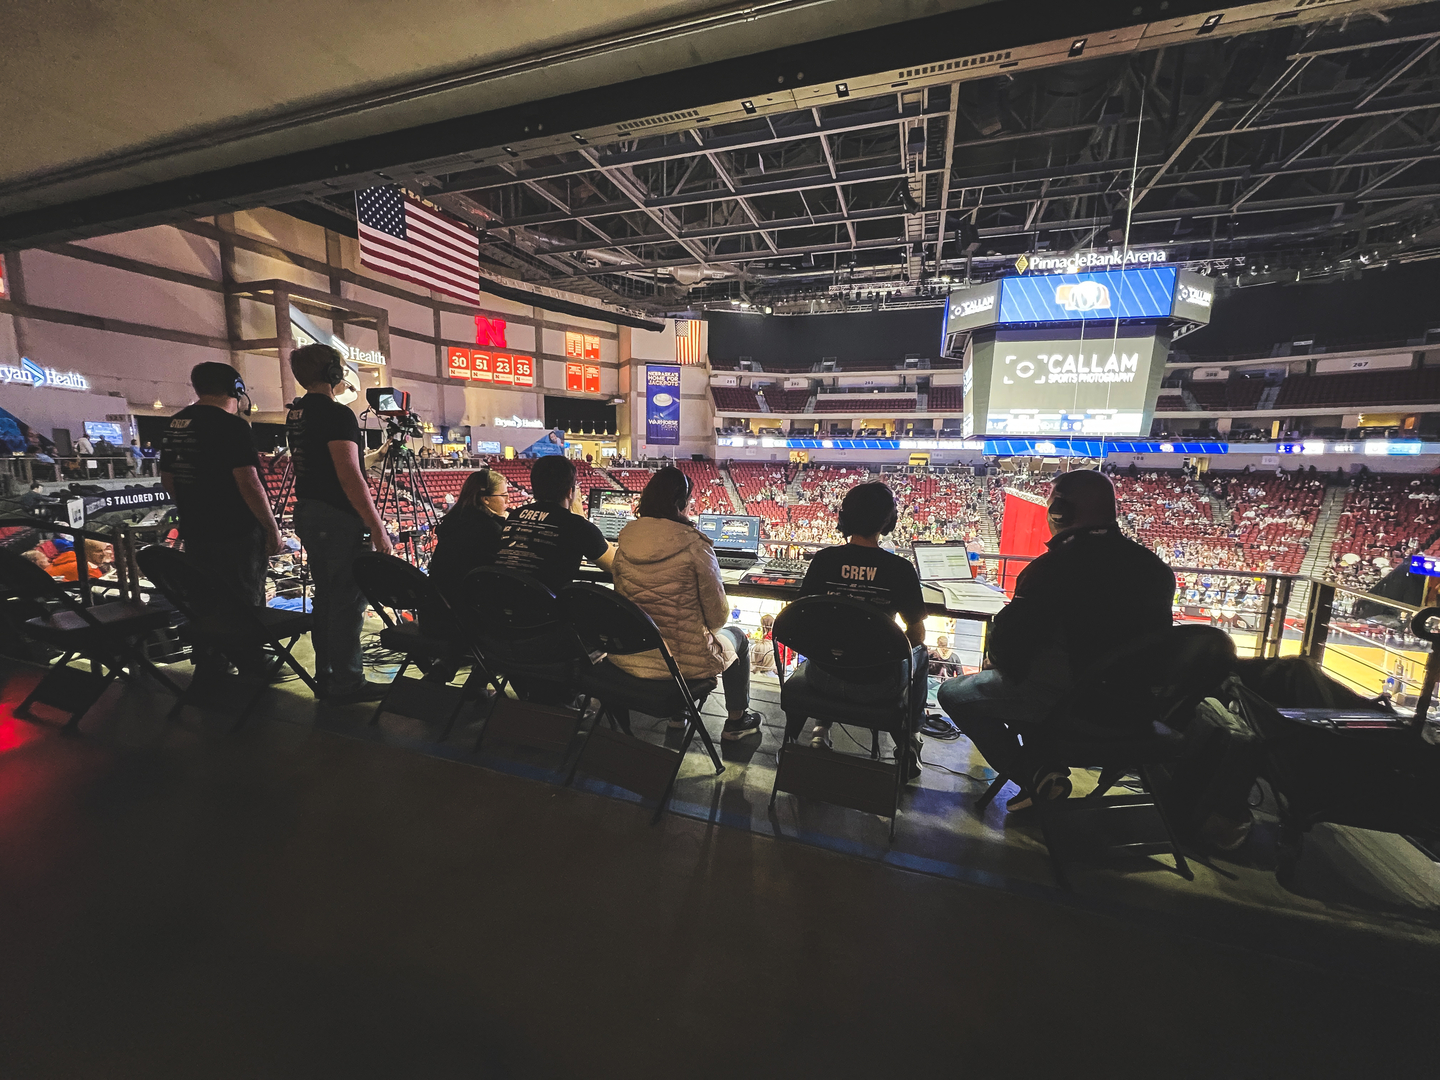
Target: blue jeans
(736, 678)
(333, 540)
(994, 710)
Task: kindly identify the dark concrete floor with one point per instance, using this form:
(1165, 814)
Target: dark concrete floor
(286, 901)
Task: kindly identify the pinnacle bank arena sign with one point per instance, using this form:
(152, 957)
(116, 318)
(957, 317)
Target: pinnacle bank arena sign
(1077, 262)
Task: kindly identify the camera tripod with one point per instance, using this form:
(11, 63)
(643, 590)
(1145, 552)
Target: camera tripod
(403, 499)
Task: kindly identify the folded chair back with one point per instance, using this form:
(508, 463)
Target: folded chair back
(1146, 680)
(507, 601)
(839, 634)
(20, 579)
(606, 622)
(392, 585)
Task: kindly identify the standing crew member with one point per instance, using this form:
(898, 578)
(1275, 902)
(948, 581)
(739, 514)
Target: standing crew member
(209, 465)
(333, 510)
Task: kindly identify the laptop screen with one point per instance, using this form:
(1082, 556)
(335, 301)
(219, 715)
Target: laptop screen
(943, 562)
(611, 511)
(731, 532)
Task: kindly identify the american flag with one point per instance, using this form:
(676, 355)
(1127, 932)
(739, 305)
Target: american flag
(687, 341)
(403, 238)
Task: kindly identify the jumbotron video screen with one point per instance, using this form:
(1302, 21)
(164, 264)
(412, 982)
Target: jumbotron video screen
(1041, 384)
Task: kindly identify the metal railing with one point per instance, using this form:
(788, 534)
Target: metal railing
(1366, 642)
(27, 470)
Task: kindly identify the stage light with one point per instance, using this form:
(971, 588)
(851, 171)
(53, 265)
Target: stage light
(842, 89)
(510, 150)
(1077, 47)
(580, 139)
(1210, 23)
(748, 106)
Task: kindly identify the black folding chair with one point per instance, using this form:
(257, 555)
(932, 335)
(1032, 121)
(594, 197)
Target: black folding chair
(526, 643)
(609, 625)
(218, 617)
(107, 635)
(1128, 718)
(836, 635)
(430, 639)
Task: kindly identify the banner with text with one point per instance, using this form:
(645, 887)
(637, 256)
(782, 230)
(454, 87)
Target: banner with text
(662, 404)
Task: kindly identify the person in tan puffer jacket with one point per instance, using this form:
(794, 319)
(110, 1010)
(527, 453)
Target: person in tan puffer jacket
(667, 567)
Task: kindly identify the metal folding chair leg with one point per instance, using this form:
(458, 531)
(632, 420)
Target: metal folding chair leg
(993, 790)
(1180, 864)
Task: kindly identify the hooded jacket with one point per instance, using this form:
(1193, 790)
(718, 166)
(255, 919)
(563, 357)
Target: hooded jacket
(668, 568)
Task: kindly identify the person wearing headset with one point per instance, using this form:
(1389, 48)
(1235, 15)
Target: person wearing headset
(1091, 591)
(333, 512)
(209, 466)
(861, 569)
(667, 567)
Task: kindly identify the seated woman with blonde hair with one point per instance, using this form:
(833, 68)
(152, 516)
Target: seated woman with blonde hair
(666, 566)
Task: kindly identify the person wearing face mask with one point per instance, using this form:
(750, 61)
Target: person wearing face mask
(1092, 591)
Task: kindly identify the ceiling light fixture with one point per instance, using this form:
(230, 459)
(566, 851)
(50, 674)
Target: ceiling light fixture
(1077, 46)
(1210, 23)
(842, 89)
(749, 107)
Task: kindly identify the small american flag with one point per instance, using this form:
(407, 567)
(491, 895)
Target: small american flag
(403, 238)
(687, 341)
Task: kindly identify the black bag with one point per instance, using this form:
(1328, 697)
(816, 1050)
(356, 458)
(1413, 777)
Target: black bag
(1207, 793)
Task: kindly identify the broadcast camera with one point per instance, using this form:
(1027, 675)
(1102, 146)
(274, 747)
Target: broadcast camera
(393, 406)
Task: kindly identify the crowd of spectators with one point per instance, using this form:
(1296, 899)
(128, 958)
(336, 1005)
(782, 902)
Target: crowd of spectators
(1385, 520)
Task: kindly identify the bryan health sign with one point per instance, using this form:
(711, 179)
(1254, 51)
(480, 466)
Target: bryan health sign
(662, 404)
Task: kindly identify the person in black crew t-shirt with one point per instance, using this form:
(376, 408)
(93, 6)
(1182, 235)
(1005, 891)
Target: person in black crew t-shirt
(333, 510)
(543, 538)
(209, 465)
(862, 570)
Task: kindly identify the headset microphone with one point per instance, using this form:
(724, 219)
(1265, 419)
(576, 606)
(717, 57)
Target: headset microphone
(238, 391)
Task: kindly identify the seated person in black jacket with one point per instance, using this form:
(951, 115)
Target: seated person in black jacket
(469, 534)
(1092, 591)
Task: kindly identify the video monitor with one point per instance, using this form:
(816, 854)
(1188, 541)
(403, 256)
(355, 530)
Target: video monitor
(731, 532)
(611, 511)
(109, 430)
(1099, 384)
(943, 562)
(1112, 294)
(387, 401)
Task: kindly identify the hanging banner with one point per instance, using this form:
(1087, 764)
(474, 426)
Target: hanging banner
(480, 367)
(662, 404)
(503, 366)
(552, 444)
(524, 367)
(459, 362)
(574, 378)
(592, 378)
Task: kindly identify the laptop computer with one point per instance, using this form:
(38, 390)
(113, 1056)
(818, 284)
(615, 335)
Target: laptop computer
(736, 538)
(946, 567)
(611, 510)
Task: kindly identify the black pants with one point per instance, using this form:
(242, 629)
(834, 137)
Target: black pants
(234, 561)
